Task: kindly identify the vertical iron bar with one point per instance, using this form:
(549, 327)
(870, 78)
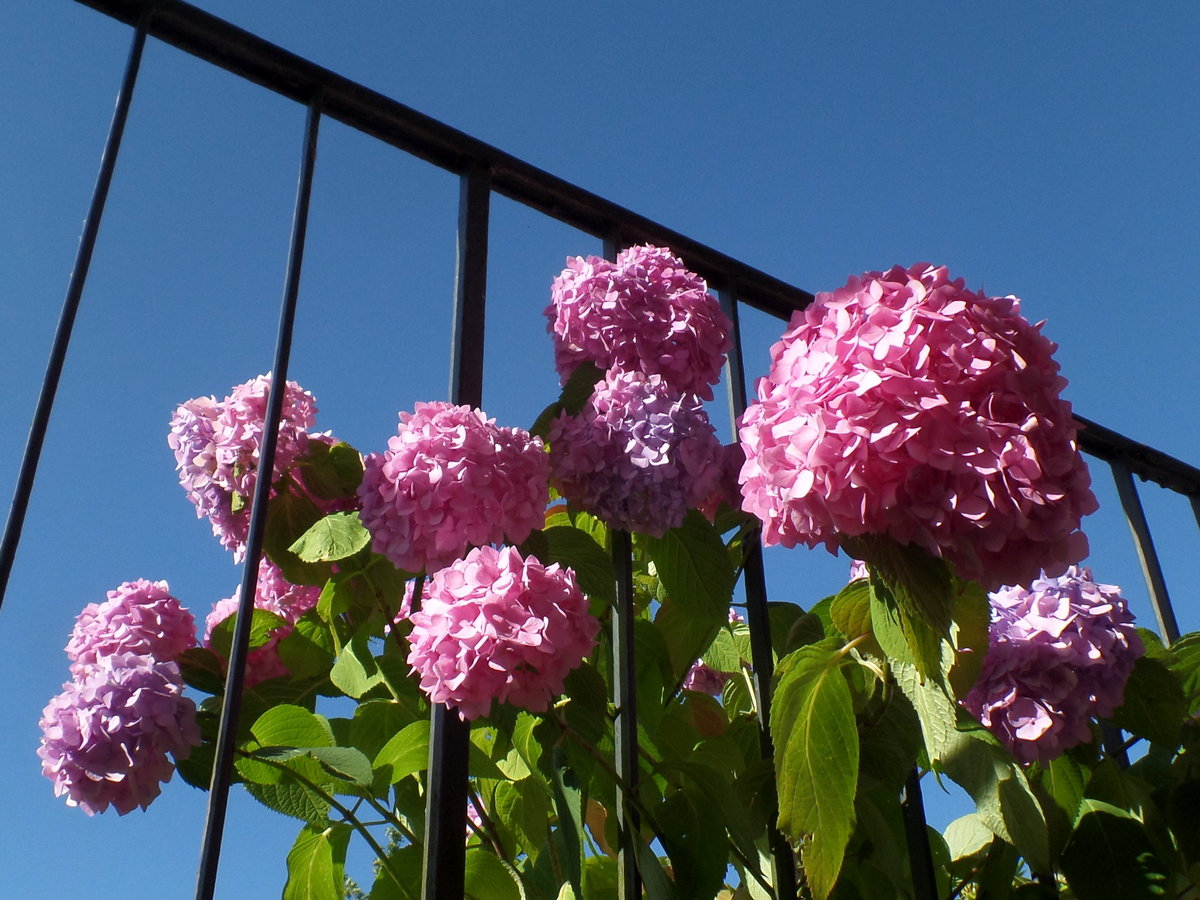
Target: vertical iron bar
(444, 860)
(218, 798)
(624, 694)
(1151, 569)
(70, 307)
(624, 687)
(758, 616)
(920, 856)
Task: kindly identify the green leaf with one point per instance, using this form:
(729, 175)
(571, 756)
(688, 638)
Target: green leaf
(1109, 855)
(850, 611)
(337, 536)
(202, 669)
(969, 635)
(967, 835)
(567, 838)
(375, 723)
(816, 759)
(1154, 706)
(523, 809)
(291, 799)
(654, 880)
(901, 635)
(575, 394)
(355, 671)
(922, 584)
(686, 634)
(693, 567)
(331, 472)
(722, 654)
(569, 546)
(344, 763)
(1002, 795)
(487, 878)
(292, 726)
(289, 515)
(307, 650)
(406, 863)
(262, 625)
(936, 712)
(316, 864)
(889, 744)
(694, 838)
(406, 753)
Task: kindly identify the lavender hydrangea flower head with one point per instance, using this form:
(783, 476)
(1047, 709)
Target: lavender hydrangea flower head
(275, 594)
(644, 313)
(216, 447)
(495, 627)
(905, 405)
(638, 455)
(1059, 655)
(106, 738)
(139, 617)
(450, 479)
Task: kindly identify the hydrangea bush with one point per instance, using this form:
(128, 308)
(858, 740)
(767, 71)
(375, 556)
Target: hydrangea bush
(906, 420)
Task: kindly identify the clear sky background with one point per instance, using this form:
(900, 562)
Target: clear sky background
(1046, 150)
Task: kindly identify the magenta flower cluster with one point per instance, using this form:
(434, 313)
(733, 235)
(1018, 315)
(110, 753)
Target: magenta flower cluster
(1059, 655)
(904, 404)
(496, 627)
(139, 617)
(644, 313)
(216, 447)
(275, 594)
(107, 736)
(638, 455)
(450, 479)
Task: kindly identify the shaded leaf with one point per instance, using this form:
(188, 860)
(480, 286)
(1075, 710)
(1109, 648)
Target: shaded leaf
(593, 567)
(1109, 855)
(406, 753)
(816, 759)
(316, 864)
(693, 567)
(1154, 706)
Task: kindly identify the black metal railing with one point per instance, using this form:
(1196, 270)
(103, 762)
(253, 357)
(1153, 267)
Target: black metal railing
(483, 171)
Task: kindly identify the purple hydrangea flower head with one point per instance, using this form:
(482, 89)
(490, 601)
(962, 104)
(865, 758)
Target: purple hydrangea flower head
(139, 617)
(705, 679)
(644, 313)
(638, 455)
(107, 736)
(451, 479)
(905, 405)
(277, 595)
(1059, 655)
(496, 627)
(216, 447)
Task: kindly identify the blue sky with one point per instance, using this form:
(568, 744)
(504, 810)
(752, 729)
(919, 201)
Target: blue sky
(1042, 150)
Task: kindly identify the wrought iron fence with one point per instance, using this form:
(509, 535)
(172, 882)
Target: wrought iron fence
(485, 171)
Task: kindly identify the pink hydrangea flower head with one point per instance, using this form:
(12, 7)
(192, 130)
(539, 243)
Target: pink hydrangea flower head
(644, 313)
(277, 595)
(216, 447)
(705, 679)
(1059, 654)
(730, 458)
(495, 627)
(904, 404)
(638, 455)
(139, 617)
(450, 479)
(107, 736)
